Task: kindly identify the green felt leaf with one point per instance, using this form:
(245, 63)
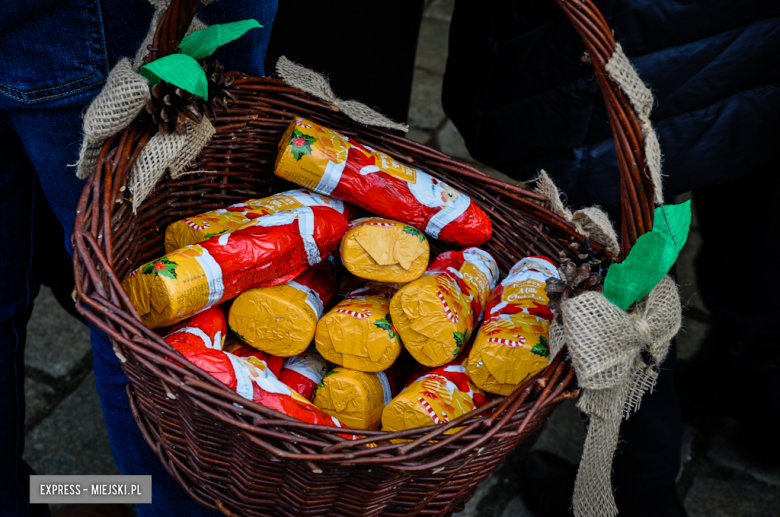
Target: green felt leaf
(651, 257)
(153, 79)
(242, 338)
(180, 70)
(203, 43)
(322, 382)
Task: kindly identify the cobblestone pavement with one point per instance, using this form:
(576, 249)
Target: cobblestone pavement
(66, 433)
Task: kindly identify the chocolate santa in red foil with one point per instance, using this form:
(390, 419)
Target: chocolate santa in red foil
(332, 164)
(199, 340)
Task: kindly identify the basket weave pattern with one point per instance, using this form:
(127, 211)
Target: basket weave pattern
(238, 457)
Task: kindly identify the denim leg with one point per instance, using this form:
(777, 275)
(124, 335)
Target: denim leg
(48, 129)
(50, 139)
(18, 288)
(132, 454)
(247, 53)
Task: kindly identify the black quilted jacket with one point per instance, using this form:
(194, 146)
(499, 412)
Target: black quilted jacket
(519, 91)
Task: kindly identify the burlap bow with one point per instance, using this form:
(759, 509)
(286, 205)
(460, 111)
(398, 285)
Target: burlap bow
(315, 84)
(120, 101)
(591, 221)
(606, 347)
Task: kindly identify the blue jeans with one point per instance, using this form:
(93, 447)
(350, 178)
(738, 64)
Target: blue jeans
(54, 58)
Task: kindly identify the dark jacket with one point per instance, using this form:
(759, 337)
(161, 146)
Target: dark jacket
(519, 91)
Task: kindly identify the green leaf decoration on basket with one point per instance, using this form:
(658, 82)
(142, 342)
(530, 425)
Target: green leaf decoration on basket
(180, 70)
(414, 231)
(204, 42)
(386, 323)
(542, 348)
(460, 340)
(163, 267)
(651, 257)
(300, 144)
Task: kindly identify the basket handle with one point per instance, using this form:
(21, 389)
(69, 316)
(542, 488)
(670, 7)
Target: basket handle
(637, 192)
(172, 28)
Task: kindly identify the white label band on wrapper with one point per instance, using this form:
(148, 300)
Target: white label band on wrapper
(305, 217)
(312, 298)
(331, 176)
(264, 378)
(522, 271)
(386, 391)
(295, 364)
(337, 205)
(447, 214)
(213, 276)
(304, 197)
(309, 198)
(429, 191)
(306, 229)
(243, 377)
(216, 344)
(484, 262)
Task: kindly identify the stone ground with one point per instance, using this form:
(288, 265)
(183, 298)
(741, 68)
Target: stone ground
(66, 434)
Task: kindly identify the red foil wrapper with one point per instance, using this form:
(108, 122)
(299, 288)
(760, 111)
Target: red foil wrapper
(249, 375)
(329, 163)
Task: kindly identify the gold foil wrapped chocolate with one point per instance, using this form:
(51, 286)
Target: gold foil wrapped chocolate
(358, 333)
(435, 398)
(512, 345)
(358, 398)
(270, 250)
(436, 314)
(281, 319)
(384, 250)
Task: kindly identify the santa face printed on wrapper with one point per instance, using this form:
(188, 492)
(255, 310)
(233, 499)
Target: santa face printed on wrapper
(433, 193)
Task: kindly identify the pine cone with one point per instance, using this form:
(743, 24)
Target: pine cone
(170, 107)
(589, 255)
(584, 272)
(219, 88)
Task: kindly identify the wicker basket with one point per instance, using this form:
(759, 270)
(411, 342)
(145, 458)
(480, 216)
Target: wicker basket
(251, 460)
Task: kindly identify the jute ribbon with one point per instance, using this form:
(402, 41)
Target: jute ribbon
(625, 75)
(591, 222)
(317, 85)
(605, 344)
(124, 96)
